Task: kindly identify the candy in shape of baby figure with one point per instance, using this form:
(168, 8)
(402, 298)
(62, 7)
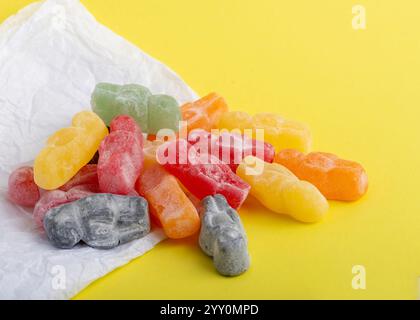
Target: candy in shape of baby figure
(169, 205)
(22, 189)
(151, 112)
(279, 132)
(278, 189)
(202, 174)
(101, 221)
(120, 157)
(336, 178)
(223, 237)
(204, 113)
(68, 150)
(230, 148)
(55, 198)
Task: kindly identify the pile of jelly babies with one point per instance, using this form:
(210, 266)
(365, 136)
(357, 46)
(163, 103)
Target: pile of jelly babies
(139, 160)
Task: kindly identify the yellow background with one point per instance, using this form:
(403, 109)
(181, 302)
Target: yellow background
(359, 90)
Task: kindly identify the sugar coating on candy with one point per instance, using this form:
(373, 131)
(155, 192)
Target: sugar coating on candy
(336, 178)
(54, 198)
(101, 221)
(230, 148)
(279, 132)
(68, 150)
(168, 203)
(127, 123)
(204, 113)
(22, 189)
(202, 174)
(110, 100)
(86, 176)
(223, 237)
(120, 157)
(164, 113)
(278, 189)
(151, 112)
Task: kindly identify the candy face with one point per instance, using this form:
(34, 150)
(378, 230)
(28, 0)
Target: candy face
(231, 148)
(151, 112)
(22, 189)
(203, 176)
(223, 237)
(279, 132)
(168, 203)
(204, 113)
(54, 198)
(68, 150)
(281, 191)
(120, 157)
(101, 221)
(336, 178)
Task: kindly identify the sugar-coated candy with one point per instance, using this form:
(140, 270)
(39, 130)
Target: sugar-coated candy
(22, 189)
(120, 157)
(149, 151)
(68, 150)
(231, 148)
(203, 175)
(101, 221)
(204, 113)
(127, 123)
(151, 112)
(164, 113)
(278, 189)
(223, 237)
(168, 203)
(281, 133)
(336, 178)
(86, 176)
(54, 198)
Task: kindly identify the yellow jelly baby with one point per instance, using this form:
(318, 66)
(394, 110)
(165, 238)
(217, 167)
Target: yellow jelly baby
(68, 150)
(281, 133)
(281, 191)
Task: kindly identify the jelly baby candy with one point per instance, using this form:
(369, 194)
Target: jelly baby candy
(68, 150)
(86, 176)
(126, 123)
(151, 112)
(168, 203)
(202, 176)
(22, 188)
(120, 157)
(223, 237)
(101, 221)
(337, 179)
(231, 148)
(204, 113)
(281, 133)
(281, 191)
(54, 198)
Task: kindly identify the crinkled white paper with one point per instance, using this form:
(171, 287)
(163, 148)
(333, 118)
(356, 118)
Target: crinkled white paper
(52, 54)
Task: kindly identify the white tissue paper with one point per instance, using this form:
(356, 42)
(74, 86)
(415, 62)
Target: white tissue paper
(52, 54)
